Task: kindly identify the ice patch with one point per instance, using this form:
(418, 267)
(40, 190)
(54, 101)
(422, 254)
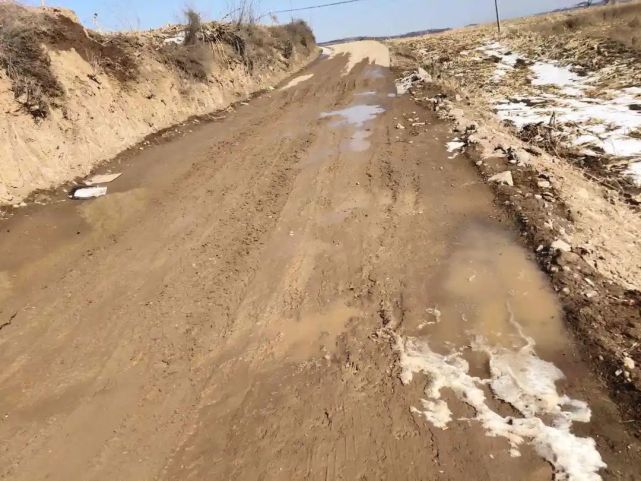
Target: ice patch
(177, 39)
(519, 378)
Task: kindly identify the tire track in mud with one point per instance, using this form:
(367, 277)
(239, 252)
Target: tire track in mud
(239, 323)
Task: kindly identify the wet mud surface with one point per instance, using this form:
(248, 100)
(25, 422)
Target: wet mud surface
(242, 303)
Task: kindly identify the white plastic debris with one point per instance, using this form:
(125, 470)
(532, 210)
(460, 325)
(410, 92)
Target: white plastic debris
(88, 192)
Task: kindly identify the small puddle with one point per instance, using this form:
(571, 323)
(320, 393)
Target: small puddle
(359, 142)
(313, 333)
(373, 71)
(107, 214)
(355, 115)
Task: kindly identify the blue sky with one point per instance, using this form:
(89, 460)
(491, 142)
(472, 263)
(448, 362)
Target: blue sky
(369, 17)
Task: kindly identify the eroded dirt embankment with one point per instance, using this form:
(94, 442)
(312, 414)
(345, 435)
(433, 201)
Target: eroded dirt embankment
(72, 98)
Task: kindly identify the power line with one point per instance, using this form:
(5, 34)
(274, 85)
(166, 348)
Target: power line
(311, 7)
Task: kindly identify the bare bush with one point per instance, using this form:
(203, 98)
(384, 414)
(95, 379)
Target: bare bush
(26, 63)
(193, 26)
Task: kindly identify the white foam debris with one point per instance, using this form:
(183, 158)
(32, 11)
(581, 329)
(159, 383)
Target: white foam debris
(436, 412)
(519, 378)
(455, 145)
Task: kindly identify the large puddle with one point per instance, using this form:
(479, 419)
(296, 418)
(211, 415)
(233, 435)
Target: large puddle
(492, 337)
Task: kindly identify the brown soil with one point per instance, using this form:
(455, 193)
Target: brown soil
(228, 310)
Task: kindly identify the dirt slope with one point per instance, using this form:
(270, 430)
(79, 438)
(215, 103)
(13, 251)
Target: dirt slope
(84, 97)
(255, 297)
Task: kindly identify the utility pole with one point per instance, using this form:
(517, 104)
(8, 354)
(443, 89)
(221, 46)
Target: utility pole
(498, 18)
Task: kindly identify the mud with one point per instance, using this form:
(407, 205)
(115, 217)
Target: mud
(231, 309)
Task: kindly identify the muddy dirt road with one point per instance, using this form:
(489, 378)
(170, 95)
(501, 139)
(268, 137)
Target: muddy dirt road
(298, 290)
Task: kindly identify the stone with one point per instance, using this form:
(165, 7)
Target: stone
(628, 363)
(502, 178)
(561, 245)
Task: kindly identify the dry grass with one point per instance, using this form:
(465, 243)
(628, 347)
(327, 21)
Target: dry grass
(617, 23)
(193, 26)
(24, 34)
(25, 61)
(230, 44)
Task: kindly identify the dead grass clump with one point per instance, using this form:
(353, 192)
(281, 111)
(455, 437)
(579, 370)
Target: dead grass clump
(193, 26)
(26, 63)
(617, 23)
(192, 60)
(25, 37)
(111, 53)
(249, 45)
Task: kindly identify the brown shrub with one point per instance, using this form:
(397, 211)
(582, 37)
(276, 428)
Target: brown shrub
(26, 63)
(23, 32)
(193, 26)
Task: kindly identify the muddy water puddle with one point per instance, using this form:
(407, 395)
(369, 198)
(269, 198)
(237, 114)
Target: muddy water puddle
(356, 117)
(494, 335)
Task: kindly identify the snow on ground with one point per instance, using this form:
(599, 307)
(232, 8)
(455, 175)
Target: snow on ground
(520, 378)
(610, 123)
(507, 59)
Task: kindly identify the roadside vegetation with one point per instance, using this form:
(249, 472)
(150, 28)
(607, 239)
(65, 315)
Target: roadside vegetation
(200, 50)
(618, 23)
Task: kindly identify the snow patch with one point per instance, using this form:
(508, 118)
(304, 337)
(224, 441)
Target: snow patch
(611, 124)
(634, 172)
(546, 73)
(520, 378)
(507, 59)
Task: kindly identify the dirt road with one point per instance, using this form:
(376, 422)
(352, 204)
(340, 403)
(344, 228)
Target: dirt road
(298, 290)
